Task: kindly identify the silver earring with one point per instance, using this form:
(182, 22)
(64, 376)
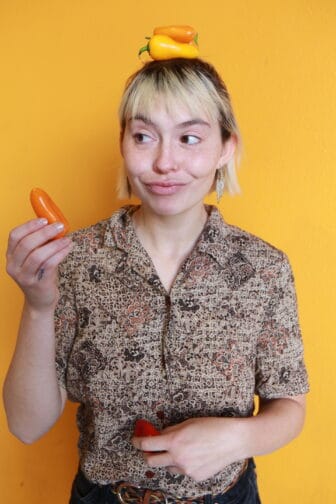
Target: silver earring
(220, 183)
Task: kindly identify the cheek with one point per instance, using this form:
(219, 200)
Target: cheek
(134, 163)
(203, 165)
(134, 169)
(208, 155)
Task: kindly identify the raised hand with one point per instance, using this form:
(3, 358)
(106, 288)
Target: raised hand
(32, 259)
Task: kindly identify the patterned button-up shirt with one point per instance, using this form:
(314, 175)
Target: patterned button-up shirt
(128, 349)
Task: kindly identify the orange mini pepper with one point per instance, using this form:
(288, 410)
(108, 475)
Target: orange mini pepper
(180, 33)
(44, 207)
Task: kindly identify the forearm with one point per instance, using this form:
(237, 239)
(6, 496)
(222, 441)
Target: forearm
(278, 422)
(31, 393)
(202, 447)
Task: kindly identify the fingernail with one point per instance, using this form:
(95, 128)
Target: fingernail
(43, 221)
(59, 226)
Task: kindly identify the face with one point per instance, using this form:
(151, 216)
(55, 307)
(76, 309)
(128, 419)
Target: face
(171, 157)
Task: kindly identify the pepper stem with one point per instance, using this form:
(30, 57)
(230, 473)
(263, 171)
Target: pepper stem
(143, 49)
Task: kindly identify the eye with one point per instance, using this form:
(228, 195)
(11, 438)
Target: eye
(190, 139)
(141, 138)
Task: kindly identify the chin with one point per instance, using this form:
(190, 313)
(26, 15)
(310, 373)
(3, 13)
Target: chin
(170, 208)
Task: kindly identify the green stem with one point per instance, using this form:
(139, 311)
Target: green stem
(143, 49)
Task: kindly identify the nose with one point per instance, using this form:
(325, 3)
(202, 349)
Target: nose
(165, 160)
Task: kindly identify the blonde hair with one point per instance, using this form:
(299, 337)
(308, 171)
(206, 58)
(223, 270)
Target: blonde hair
(197, 85)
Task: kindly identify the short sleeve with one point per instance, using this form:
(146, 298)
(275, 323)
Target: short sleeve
(280, 367)
(65, 320)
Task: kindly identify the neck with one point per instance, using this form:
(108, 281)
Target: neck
(169, 235)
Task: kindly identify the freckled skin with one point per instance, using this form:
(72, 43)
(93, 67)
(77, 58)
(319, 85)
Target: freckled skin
(171, 159)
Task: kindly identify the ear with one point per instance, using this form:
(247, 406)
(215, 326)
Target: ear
(228, 150)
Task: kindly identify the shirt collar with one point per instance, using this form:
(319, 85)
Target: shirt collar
(214, 239)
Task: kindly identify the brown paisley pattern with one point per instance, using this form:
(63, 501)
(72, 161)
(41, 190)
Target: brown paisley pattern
(127, 349)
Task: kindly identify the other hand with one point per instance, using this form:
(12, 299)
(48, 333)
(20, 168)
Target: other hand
(198, 447)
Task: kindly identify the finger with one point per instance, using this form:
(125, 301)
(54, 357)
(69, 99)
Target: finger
(47, 257)
(163, 459)
(19, 232)
(50, 265)
(151, 443)
(35, 240)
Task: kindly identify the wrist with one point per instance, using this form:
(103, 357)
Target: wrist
(245, 429)
(35, 313)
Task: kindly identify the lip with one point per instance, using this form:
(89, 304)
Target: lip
(164, 188)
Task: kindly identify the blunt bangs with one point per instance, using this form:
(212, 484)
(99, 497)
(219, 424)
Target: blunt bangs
(191, 92)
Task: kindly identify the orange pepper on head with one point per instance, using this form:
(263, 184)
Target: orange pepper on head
(172, 41)
(180, 33)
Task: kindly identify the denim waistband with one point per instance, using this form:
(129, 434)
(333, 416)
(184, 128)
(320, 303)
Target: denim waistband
(125, 493)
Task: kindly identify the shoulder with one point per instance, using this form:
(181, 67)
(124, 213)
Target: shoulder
(95, 240)
(268, 262)
(94, 236)
(254, 248)
(235, 242)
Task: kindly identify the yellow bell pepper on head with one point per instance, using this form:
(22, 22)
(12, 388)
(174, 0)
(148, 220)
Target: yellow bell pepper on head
(161, 47)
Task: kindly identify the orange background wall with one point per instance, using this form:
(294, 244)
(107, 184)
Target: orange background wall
(63, 65)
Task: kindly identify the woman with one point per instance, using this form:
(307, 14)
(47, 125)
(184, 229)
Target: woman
(163, 312)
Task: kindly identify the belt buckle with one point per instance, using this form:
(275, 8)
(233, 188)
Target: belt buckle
(137, 494)
(156, 494)
(125, 486)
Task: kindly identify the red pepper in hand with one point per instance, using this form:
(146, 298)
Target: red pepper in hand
(144, 428)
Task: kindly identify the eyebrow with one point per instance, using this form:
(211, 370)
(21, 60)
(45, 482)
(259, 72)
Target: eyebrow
(185, 124)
